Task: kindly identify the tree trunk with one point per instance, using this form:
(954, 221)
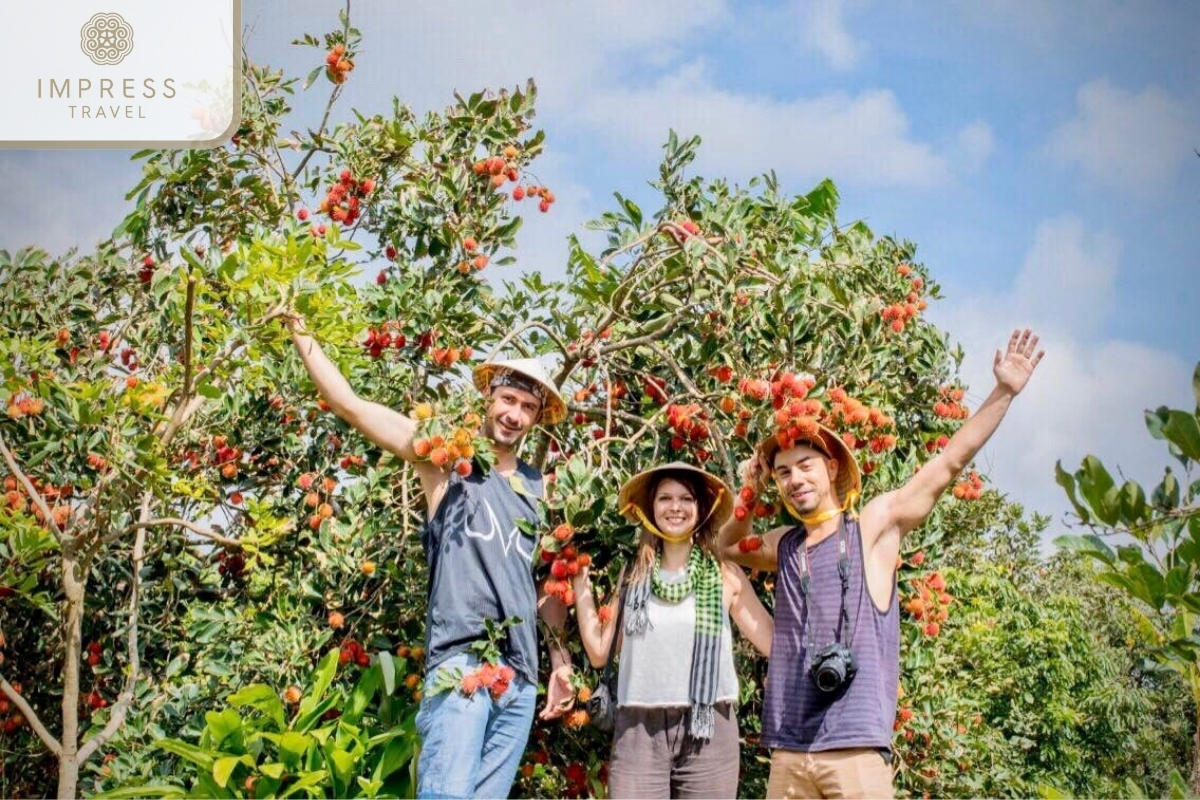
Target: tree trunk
(73, 586)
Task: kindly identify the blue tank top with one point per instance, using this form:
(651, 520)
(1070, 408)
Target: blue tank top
(796, 714)
(481, 566)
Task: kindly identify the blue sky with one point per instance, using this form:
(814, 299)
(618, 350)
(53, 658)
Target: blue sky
(1042, 155)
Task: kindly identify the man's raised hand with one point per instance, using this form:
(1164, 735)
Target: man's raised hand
(1013, 367)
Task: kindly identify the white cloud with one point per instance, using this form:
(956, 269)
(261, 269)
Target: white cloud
(1125, 140)
(973, 146)
(822, 28)
(861, 138)
(1090, 392)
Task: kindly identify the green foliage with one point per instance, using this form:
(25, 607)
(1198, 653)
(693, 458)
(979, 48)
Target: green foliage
(359, 742)
(1160, 568)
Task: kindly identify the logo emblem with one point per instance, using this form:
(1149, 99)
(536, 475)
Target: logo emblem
(106, 38)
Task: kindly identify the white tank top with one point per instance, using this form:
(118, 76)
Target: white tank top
(656, 666)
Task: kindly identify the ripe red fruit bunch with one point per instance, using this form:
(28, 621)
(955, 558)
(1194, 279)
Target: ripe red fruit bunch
(233, 565)
(950, 406)
(338, 64)
(495, 678)
(445, 444)
(862, 426)
(565, 562)
(353, 651)
(23, 404)
(655, 389)
(929, 603)
(970, 487)
(688, 424)
(318, 494)
(224, 456)
(500, 169)
(387, 336)
(343, 201)
(749, 502)
(146, 273)
(446, 357)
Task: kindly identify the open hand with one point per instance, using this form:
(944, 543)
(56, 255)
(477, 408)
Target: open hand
(1013, 368)
(560, 696)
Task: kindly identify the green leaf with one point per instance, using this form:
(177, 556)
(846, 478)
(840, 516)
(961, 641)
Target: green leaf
(292, 747)
(1196, 384)
(1183, 430)
(1166, 494)
(263, 698)
(322, 677)
(221, 724)
(306, 780)
(189, 752)
(1155, 421)
(364, 690)
(387, 666)
(133, 792)
(224, 767)
(1177, 582)
(1065, 480)
(1097, 486)
(272, 770)
(1089, 545)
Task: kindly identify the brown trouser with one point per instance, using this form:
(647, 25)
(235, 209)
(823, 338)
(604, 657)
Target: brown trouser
(652, 755)
(856, 772)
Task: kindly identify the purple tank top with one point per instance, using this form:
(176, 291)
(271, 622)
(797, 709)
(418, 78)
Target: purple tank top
(796, 714)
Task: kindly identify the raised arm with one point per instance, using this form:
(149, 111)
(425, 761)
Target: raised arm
(747, 611)
(766, 557)
(387, 428)
(595, 635)
(560, 695)
(890, 516)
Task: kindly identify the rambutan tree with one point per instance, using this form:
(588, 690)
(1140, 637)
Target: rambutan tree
(211, 584)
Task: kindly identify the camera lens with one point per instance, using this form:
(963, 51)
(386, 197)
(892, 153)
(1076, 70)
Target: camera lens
(830, 676)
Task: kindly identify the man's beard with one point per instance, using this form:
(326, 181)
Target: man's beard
(491, 429)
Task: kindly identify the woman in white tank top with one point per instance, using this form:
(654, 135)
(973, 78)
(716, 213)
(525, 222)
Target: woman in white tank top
(676, 732)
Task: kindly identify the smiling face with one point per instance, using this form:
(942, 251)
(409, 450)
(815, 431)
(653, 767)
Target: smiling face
(511, 414)
(676, 510)
(806, 477)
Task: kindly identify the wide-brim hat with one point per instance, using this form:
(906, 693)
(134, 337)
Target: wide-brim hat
(849, 477)
(554, 408)
(636, 492)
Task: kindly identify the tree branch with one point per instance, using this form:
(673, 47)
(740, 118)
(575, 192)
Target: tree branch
(162, 522)
(31, 716)
(121, 708)
(33, 493)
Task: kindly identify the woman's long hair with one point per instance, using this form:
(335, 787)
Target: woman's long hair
(705, 535)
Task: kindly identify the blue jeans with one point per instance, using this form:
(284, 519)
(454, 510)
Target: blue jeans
(472, 746)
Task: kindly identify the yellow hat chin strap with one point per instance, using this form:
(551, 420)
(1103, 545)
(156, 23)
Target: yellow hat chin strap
(666, 537)
(818, 517)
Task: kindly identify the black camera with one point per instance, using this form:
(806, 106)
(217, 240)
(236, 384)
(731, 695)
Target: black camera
(833, 667)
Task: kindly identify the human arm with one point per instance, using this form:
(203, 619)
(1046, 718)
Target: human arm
(560, 695)
(595, 634)
(766, 557)
(391, 430)
(887, 518)
(746, 610)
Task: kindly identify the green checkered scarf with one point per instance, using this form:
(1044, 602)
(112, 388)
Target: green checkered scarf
(703, 578)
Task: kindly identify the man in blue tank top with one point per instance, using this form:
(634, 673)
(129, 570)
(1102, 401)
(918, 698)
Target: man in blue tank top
(835, 657)
(480, 572)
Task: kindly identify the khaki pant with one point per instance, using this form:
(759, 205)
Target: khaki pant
(857, 772)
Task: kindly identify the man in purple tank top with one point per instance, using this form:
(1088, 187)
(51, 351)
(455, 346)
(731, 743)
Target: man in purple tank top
(832, 682)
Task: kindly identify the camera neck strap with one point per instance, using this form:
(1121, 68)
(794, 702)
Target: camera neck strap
(843, 577)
